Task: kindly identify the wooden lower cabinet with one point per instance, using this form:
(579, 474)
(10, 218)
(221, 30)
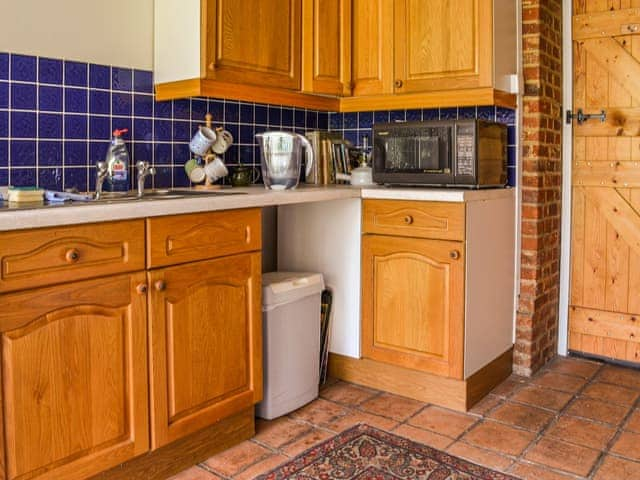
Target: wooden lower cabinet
(206, 344)
(74, 378)
(413, 303)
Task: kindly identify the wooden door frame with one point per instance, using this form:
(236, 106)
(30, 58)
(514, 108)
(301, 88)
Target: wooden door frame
(567, 156)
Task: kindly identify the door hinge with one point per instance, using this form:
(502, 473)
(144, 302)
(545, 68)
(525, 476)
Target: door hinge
(582, 117)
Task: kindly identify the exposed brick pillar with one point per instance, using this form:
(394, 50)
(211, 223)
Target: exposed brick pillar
(537, 316)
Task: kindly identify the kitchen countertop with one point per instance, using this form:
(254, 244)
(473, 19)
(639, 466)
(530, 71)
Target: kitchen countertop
(255, 196)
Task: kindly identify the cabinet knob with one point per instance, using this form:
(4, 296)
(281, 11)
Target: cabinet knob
(454, 254)
(142, 288)
(408, 219)
(72, 255)
(398, 83)
(161, 285)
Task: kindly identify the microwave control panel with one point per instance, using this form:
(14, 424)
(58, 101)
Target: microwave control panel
(465, 146)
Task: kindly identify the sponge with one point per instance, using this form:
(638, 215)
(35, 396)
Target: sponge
(25, 194)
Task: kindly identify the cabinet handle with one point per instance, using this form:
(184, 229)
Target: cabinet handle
(408, 219)
(454, 254)
(161, 285)
(398, 83)
(72, 255)
(142, 288)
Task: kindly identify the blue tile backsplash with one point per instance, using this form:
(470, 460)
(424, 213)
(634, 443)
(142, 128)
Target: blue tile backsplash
(56, 119)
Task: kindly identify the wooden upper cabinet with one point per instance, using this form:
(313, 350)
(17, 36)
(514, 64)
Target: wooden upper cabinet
(372, 39)
(74, 378)
(254, 42)
(206, 343)
(326, 47)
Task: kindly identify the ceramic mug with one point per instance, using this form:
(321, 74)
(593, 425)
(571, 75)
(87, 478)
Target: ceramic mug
(223, 142)
(202, 141)
(216, 169)
(194, 171)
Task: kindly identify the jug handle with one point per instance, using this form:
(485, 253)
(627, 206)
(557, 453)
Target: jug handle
(308, 152)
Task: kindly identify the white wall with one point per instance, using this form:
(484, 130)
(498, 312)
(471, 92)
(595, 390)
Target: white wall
(117, 32)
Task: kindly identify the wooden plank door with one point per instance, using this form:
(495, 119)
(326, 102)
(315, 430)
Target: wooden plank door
(604, 314)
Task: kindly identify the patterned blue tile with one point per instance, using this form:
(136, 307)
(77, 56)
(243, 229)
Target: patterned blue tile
(234, 130)
(181, 131)
(75, 153)
(261, 114)
(4, 66)
(121, 79)
(231, 111)
(99, 128)
(365, 119)
(182, 109)
(180, 177)
(336, 121)
(198, 110)
(143, 105)
(511, 156)
(378, 117)
(163, 177)
(511, 135)
(23, 153)
(97, 152)
(121, 104)
(181, 153)
(162, 154)
(311, 119)
(449, 113)
(246, 113)
(323, 121)
(487, 113)
(99, 102)
(76, 178)
(397, 115)
(163, 109)
(4, 177)
(299, 118)
(162, 130)
(50, 178)
(512, 175)
(216, 109)
(23, 96)
(75, 100)
(142, 152)
(143, 129)
(430, 114)
(50, 70)
(4, 94)
(506, 115)
(414, 115)
(76, 74)
(22, 177)
(23, 124)
(247, 154)
(351, 136)
(287, 118)
(247, 134)
(467, 113)
(23, 68)
(4, 123)
(4, 154)
(50, 98)
(122, 123)
(75, 126)
(274, 115)
(99, 76)
(50, 153)
(50, 125)
(142, 81)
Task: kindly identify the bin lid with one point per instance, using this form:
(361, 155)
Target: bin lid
(286, 287)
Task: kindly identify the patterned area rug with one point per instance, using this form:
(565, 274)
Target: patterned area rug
(364, 452)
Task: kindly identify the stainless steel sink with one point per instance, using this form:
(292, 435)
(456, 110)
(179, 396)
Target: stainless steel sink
(164, 194)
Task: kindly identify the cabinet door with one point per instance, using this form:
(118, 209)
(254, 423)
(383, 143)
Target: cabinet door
(326, 47)
(206, 343)
(74, 378)
(413, 303)
(372, 39)
(255, 42)
(443, 44)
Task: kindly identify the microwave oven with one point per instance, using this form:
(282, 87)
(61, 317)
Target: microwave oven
(458, 153)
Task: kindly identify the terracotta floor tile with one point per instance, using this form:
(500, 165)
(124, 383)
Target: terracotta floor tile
(306, 441)
(276, 433)
(611, 393)
(613, 468)
(261, 467)
(443, 421)
(526, 471)
(626, 377)
(628, 445)
(392, 406)
(559, 381)
(583, 432)
(597, 410)
(486, 404)
(523, 416)
(509, 386)
(633, 424)
(574, 366)
(499, 437)
(542, 397)
(348, 394)
(425, 437)
(481, 457)
(237, 458)
(320, 412)
(355, 417)
(563, 456)
(195, 473)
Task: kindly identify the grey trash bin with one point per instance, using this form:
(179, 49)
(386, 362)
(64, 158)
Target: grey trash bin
(291, 332)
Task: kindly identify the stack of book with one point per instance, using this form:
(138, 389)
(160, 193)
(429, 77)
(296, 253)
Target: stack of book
(331, 154)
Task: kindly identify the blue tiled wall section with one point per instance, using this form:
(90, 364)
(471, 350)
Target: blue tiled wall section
(354, 126)
(56, 119)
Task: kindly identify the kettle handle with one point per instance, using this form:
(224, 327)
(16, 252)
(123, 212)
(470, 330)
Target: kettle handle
(308, 153)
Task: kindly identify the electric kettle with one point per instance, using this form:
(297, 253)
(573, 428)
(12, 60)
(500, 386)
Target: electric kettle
(281, 159)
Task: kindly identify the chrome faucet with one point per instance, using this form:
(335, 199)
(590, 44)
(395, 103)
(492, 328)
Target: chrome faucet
(102, 173)
(144, 170)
